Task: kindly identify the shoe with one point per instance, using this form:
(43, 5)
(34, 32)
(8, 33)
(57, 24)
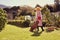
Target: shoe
(42, 30)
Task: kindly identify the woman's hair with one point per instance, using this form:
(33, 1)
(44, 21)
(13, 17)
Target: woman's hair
(38, 6)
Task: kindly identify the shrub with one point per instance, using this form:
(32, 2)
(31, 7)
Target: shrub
(20, 23)
(20, 18)
(2, 18)
(46, 15)
(16, 22)
(26, 23)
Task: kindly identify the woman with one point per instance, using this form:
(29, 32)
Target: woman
(38, 17)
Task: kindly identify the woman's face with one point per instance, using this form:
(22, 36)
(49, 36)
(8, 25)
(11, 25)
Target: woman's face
(38, 9)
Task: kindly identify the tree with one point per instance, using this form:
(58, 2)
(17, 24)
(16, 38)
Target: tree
(52, 18)
(57, 20)
(50, 7)
(3, 19)
(47, 15)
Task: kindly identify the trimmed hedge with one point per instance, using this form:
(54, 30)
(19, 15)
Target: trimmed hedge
(20, 23)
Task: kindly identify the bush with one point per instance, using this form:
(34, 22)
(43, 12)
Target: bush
(16, 22)
(26, 23)
(20, 23)
(51, 18)
(2, 18)
(46, 15)
(20, 18)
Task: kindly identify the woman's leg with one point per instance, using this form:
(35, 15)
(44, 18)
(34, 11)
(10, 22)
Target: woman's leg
(42, 28)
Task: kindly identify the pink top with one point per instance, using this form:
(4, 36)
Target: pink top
(39, 17)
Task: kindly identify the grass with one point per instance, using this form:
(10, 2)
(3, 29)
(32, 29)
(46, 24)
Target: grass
(11, 32)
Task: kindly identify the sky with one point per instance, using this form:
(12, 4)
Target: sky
(26, 2)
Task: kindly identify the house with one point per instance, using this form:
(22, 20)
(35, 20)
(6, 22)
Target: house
(11, 12)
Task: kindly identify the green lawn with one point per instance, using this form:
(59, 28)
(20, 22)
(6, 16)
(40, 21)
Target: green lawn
(15, 33)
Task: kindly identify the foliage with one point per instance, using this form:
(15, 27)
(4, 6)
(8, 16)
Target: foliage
(16, 22)
(52, 18)
(20, 23)
(57, 20)
(33, 13)
(46, 13)
(20, 18)
(2, 18)
(26, 23)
